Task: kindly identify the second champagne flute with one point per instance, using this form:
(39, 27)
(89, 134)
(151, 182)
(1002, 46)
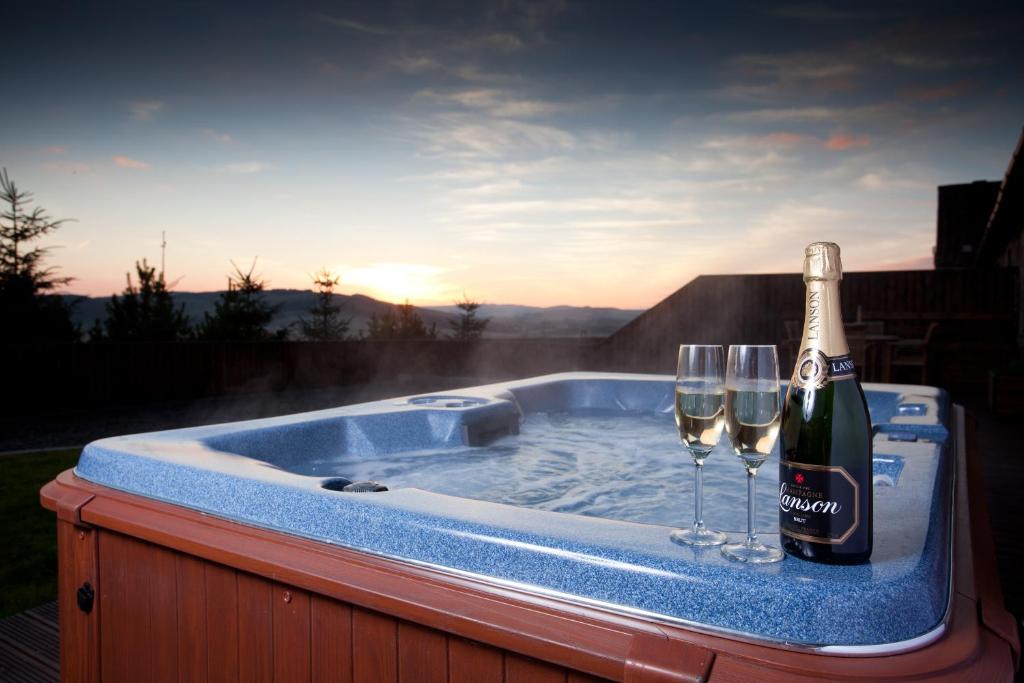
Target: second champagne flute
(700, 414)
(752, 418)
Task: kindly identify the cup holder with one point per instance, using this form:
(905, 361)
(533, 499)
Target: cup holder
(365, 487)
(348, 486)
(448, 401)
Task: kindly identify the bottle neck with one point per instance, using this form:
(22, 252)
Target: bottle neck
(823, 319)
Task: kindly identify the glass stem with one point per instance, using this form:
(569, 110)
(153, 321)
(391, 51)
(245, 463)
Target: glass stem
(698, 498)
(751, 484)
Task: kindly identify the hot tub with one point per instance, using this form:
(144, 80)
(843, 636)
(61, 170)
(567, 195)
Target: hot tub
(553, 495)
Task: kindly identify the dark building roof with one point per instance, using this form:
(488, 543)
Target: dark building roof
(757, 309)
(963, 213)
(1006, 220)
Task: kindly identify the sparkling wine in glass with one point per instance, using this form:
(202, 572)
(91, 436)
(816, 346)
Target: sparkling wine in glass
(700, 416)
(752, 419)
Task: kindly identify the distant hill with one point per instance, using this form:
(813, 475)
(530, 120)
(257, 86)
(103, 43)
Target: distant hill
(506, 320)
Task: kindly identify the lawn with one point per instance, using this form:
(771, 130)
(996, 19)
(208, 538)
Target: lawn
(28, 553)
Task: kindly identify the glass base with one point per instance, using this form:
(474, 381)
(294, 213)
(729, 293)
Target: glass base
(701, 536)
(754, 553)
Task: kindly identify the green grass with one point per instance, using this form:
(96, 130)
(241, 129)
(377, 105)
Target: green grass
(28, 551)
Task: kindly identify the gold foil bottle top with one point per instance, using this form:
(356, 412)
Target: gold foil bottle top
(821, 262)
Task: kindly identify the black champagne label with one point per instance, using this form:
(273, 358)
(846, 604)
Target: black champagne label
(814, 369)
(818, 503)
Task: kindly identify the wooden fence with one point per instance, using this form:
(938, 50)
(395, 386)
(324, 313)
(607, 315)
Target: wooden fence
(44, 378)
(976, 311)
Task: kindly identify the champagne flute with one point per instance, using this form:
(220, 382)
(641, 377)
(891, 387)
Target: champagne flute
(700, 416)
(752, 419)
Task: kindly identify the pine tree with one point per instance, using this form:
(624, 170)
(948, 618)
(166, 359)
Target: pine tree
(144, 313)
(467, 327)
(400, 322)
(326, 323)
(29, 308)
(242, 313)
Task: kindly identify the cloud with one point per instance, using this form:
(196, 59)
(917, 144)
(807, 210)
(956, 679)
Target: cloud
(770, 77)
(919, 60)
(845, 65)
(780, 139)
(679, 211)
(773, 115)
(246, 167)
(937, 93)
(126, 162)
(871, 181)
(498, 103)
(887, 180)
(879, 115)
(474, 74)
(794, 223)
(500, 187)
(466, 138)
(217, 136)
(844, 141)
(496, 42)
(415, 64)
(478, 171)
(55, 149)
(798, 65)
(369, 29)
(143, 110)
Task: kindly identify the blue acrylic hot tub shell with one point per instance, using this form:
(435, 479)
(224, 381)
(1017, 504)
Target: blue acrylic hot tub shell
(239, 471)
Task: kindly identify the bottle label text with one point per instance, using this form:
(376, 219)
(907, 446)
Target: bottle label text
(818, 503)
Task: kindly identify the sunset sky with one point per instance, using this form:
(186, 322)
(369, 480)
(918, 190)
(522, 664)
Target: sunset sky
(587, 153)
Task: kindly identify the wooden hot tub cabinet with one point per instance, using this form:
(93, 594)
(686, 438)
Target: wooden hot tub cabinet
(183, 596)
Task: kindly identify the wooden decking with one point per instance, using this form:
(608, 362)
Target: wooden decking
(30, 646)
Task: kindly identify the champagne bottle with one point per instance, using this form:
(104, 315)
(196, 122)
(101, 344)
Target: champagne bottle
(825, 490)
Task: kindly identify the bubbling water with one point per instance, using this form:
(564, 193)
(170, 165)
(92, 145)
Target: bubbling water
(623, 466)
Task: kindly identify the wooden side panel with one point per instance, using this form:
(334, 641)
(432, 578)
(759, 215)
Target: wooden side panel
(192, 633)
(222, 622)
(173, 617)
(422, 654)
(79, 632)
(331, 635)
(159, 570)
(117, 635)
(472, 662)
(139, 631)
(524, 670)
(291, 635)
(374, 647)
(255, 630)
